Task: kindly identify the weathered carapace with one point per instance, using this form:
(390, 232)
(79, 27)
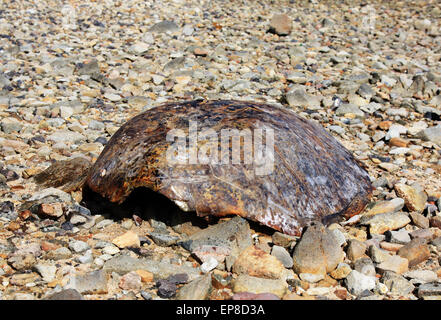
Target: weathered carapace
(314, 176)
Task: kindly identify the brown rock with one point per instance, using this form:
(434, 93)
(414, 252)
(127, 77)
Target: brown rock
(415, 251)
(419, 220)
(398, 142)
(145, 275)
(245, 283)
(435, 222)
(258, 263)
(356, 249)
(394, 247)
(281, 24)
(51, 209)
(414, 197)
(200, 52)
(128, 239)
(385, 125)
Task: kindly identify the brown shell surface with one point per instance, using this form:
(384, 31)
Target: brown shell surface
(314, 176)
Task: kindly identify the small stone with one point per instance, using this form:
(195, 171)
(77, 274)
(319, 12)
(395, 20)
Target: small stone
(282, 255)
(378, 255)
(146, 276)
(423, 276)
(256, 262)
(253, 296)
(317, 252)
(163, 239)
(357, 282)
(283, 240)
(365, 266)
(209, 265)
(281, 24)
(356, 249)
(51, 209)
(67, 294)
(197, 289)
(341, 272)
(59, 254)
(166, 289)
(246, 283)
(419, 220)
(128, 239)
(130, 281)
(396, 264)
(78, 246)
(396, 284)
(47, 272)
(415, 198)
(429, 289)
(90, 283)
(389, 206)
(435, 222)
(401, 237)
(22, 262)
(112, 250)
(416, 251)
(380, 223)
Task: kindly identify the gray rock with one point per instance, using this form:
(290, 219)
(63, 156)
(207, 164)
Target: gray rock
(283, 256)
(432, 134)
(198, 289)
(297, 97)
(234, 235)
(91, 68)
(123, 264)
(78, 246)
(429, 289)
(365, 266)
(349, 108)
(47, 272)
(397, 284)
(163, 239)
(358, 282)
(378, 255)
(66, 137)
(89, 283)
(66, 294)
(400, 237)
(164, 26)
(317, 252)
(422, 276)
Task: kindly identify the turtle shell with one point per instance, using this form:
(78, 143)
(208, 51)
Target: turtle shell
(303, 174)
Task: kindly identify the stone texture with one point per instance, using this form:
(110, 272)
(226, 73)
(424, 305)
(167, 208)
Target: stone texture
(415, 252)
(256, 262)
(317, 252)
(245, 283)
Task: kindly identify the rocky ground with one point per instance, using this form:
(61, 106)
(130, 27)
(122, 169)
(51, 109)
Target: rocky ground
(71, 72)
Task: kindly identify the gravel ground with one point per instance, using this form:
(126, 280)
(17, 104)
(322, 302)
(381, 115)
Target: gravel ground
(72, 72)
